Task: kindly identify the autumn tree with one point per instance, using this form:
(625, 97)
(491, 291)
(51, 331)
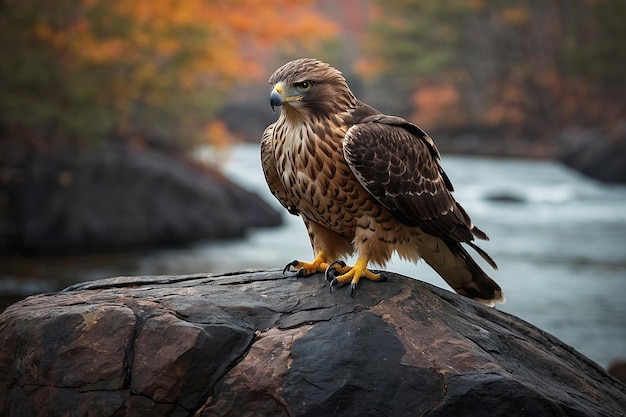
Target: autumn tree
(529, 67)
(82, 71)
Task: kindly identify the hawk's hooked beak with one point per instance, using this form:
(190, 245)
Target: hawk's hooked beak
(276, 98)
(280, 95)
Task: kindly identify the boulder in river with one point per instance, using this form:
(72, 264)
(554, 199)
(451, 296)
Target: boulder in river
(265, 344)
(594, 153)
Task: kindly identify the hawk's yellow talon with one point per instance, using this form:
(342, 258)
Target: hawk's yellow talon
(334, 269)
(353, 275)
(304, 269)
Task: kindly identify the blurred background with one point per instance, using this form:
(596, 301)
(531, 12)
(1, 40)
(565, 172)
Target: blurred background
(129, 138)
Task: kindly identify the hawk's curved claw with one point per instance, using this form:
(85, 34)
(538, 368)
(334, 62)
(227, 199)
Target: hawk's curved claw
(352, 288)
(291, 264)
(335, 282)
(331, 268)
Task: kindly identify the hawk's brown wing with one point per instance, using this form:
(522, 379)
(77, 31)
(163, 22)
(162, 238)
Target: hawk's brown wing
(268, 163)
(398, 164)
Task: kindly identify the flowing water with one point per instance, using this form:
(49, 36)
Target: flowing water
(559, 240)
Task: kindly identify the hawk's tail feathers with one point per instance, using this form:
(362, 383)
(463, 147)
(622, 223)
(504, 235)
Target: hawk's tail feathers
(486, 291)
(463, 274)
(484, 255)
(481, 287)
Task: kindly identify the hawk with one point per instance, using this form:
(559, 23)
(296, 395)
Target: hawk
(364, 182)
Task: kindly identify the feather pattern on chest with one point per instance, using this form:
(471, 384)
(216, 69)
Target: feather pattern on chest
(312, 169)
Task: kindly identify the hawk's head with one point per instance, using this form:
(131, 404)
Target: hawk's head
(308, 85)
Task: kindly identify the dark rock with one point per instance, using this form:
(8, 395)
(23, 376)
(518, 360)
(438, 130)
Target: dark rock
(117, 197)
(617, 368)
(262, 344)
(505, 197)
(595, 154)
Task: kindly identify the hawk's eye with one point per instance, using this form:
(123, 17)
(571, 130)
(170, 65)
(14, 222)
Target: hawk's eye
(304, 86)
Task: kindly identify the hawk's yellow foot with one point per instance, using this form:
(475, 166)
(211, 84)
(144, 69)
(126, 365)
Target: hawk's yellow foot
(352, 275)
(304, 269)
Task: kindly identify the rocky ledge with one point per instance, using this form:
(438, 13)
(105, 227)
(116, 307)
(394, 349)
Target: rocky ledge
(264, 344)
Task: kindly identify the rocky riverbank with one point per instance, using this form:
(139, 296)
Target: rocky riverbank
(118, 198)
(594, 153)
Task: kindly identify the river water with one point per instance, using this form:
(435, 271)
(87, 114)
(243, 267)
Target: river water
(558, 237)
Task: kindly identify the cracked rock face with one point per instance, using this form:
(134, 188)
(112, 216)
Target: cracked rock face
(264, 344)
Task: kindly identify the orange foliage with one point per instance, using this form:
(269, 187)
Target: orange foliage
(140, 56)
(509, 109)
(517, 16)
(218, 32)
(217, 131)
(437, 105)
(476, 5)
(369, 68)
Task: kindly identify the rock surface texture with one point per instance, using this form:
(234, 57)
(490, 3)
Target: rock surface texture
(265, 344)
